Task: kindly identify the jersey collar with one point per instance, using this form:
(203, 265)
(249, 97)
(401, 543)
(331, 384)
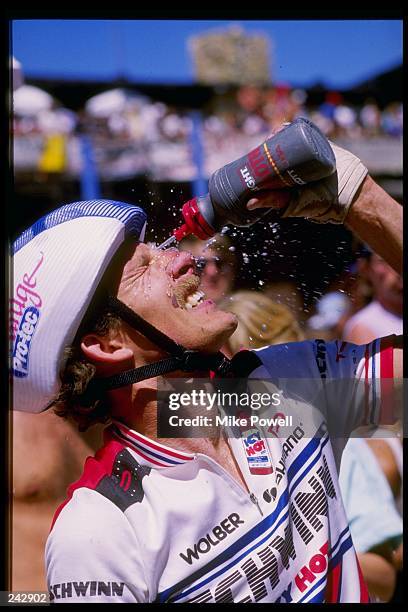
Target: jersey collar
(148, 452)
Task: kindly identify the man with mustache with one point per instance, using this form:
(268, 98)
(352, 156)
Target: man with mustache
(188, 519)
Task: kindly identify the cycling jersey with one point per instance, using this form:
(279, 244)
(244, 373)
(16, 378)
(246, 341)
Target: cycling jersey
(149, 523)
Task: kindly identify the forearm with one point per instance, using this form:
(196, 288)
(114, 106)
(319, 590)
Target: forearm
(376, 218)
(379, 575)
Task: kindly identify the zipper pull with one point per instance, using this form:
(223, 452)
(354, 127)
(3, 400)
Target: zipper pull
(255, 501)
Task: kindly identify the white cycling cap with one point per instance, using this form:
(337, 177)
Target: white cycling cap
(57, 266)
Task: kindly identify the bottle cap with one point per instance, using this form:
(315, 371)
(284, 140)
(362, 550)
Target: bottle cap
(194, 222)
(182, 231)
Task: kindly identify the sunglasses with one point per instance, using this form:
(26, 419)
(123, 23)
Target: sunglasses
(220, 264)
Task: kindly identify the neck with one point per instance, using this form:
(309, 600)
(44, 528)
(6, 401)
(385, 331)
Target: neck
(138, 411)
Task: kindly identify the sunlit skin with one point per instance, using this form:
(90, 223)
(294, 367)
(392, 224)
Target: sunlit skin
(150, 282)
(387, 284)
(155, 284)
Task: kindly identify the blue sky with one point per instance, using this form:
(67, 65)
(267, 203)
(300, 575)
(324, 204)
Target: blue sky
(339, 54)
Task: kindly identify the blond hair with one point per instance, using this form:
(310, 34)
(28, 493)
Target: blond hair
(261, 322)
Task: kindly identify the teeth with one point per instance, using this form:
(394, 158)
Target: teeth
(194, 299)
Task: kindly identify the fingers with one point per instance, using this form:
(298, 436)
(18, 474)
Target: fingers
(270, 199)
(278, 128)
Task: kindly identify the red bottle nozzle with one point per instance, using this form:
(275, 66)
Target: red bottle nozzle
(182, 231)
(194, 222)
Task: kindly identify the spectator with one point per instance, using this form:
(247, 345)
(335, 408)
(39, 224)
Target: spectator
(370, 118)
(287, 293)
(218, 263)
(260, 322)
(384, 313)
(383, 316)
(392, 120)
(346, 121)
(375, 524)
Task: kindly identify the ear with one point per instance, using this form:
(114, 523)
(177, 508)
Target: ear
(105, 351)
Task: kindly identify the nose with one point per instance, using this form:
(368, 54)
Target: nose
(211, 269)
(183, 263)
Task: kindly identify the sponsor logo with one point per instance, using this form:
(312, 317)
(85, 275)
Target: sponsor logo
(316, 565)
(270, 494)
(274, 429)
(90, 588)
(257, 453)
(218, 533)
(339, 351)
(24, 294)
(24, 313)
(263, 570)
(296, 178)
(258, 163)
(321, 357)
(249, 180)
(287, 447)
(22, 343)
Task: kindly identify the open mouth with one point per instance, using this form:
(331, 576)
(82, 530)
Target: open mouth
(186, 292)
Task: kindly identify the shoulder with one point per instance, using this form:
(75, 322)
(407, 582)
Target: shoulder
(113, 475)
(292, 359)
(93, 553)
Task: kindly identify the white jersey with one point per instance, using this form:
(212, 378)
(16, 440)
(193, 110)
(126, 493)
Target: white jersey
(147, 523)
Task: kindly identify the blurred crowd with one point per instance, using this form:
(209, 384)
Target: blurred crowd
(133, 134)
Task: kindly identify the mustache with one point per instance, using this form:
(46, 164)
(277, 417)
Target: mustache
(183, 288)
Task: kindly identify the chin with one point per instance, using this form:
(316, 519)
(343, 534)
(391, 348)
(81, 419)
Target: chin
(206, 332)
(219, 332)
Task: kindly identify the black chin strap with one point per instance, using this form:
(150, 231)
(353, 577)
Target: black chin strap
(180, 358)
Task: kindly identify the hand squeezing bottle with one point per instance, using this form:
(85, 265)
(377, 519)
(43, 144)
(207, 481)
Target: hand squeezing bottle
(296, 155)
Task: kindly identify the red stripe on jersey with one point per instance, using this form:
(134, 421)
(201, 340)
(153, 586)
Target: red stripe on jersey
(136, 450)
(333, 584)
(366, 385)
(94, 470)
(364, 596)
(387, 382)
(157, 447)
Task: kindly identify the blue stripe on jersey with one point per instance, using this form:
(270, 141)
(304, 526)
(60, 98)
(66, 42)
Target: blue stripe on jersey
(132, 442)
(300, 460)
(307, 469)
(333, 561)
(247, 538)
(132, 217)
(319, 597)
(346, 545)
(339, 541)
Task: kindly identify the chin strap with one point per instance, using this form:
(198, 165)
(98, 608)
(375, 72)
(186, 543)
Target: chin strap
(180, 358)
